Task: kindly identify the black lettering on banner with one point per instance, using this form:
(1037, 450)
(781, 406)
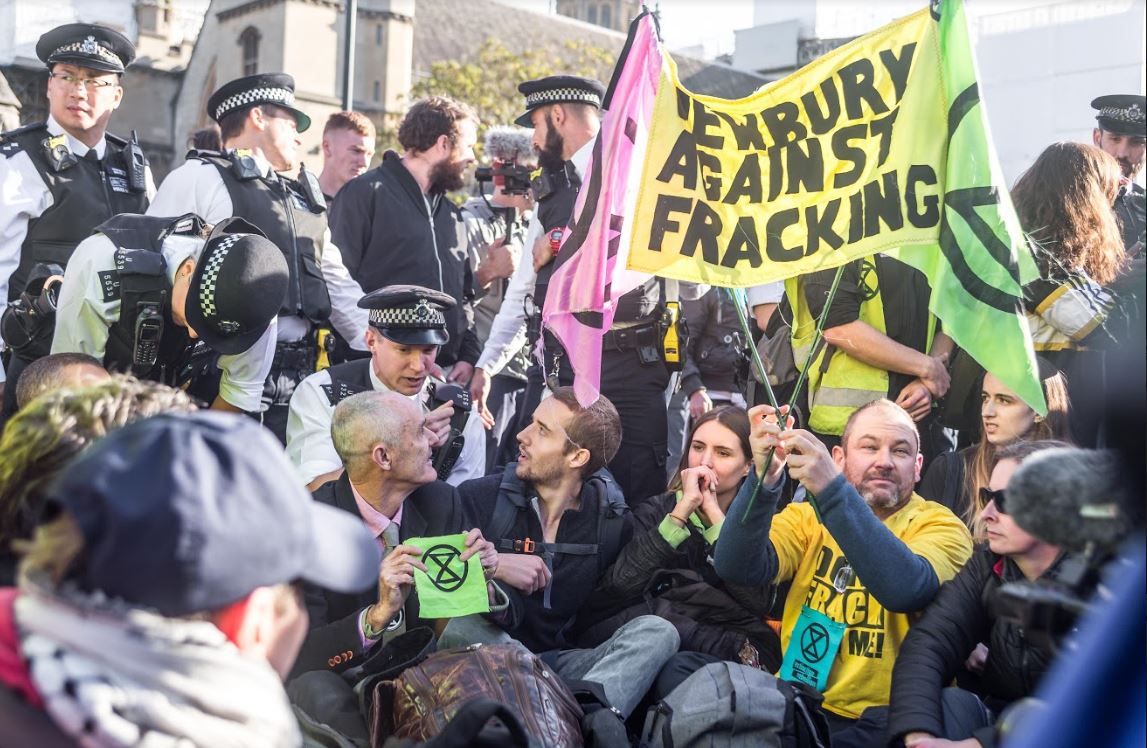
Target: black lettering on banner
(804, 167)
(898, 67)
(822, 120)
(776, 171)
(684, 101)
(882, 128)
(923, 212)
(682, 162)
(666, 205)
(709, 166)
(746, 182)
(846, 152)
(965, 202)
(747, 134)
(703, 119)
(855, 217)
(774, 242)
(857, 81)
(704, 230)
(882, 204)
(744, 245)
(783, 122)
(820, 225)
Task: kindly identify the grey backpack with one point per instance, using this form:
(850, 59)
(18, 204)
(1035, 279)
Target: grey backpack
(727, 705)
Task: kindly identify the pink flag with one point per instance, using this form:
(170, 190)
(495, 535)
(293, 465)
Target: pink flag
(590, 272)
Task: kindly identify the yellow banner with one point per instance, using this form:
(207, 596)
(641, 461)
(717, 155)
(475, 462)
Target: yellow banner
(843, 159)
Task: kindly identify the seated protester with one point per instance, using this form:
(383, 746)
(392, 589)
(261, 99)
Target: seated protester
(407, 327)
(673, 539)
(160, 606)
(57, 372)
(390, 485)
(46, 435)
(954, 479)
(558, 520)
(862, 556)
(961, 617)
(163, 299)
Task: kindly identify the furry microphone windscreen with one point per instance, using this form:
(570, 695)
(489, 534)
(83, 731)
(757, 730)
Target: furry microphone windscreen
(1070, 497)
(509, 143)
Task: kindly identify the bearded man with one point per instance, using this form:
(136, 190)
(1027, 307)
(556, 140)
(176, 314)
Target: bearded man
(863, 553)
(395, 224)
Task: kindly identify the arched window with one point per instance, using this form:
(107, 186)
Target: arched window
(249, 41)
(606, 16)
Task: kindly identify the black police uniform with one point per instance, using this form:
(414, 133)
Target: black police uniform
(86, 190)
(1126, 114)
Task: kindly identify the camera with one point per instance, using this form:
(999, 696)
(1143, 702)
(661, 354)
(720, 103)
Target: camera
(512, 178)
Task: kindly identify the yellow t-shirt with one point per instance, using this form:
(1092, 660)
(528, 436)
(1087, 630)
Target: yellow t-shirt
(861, 675)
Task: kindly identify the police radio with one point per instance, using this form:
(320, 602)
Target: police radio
(136, 164)
(148, 332)
(446, 456)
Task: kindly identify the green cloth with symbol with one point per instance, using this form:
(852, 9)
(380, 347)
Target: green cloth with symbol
(812, 649)
(449, 587)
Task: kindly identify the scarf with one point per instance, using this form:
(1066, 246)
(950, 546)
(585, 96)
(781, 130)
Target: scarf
(113, 675)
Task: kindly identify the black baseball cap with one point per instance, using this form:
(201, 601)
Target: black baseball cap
(559, 89)
(264, 88)
(188, 513)
(238, 287)
(409, 315)
(1123, 114)
(87, 45)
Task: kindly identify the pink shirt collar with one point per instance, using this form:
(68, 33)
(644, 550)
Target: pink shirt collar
(376, 521)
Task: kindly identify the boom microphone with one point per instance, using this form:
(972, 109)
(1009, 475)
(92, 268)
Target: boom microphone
(1072, 498)
(509, 144)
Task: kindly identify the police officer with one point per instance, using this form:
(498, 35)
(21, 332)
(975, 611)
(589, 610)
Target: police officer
(407, 326)
(62, 177)
(260, 126)
(1122, 132)
(564, 112)
(164, 300)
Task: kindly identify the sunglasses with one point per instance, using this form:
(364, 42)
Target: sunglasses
(987, 496)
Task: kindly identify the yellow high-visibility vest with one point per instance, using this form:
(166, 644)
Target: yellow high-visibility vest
(839, 386)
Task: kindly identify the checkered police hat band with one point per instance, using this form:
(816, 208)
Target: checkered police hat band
(420, 317)
(210, 278)
(561, 95)
(1131, 114)
(266, 95)
(89, 47)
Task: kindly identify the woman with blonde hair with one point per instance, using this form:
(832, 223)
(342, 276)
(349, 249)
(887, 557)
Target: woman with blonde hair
(954, 479)
(1083, 299)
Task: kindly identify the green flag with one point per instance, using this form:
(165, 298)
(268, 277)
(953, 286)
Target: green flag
(983, 262)
(449, 587)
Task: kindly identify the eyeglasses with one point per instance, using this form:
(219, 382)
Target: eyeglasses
(987, 496)
(96, 84)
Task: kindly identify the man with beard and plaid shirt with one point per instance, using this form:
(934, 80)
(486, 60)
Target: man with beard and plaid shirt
(395, 224)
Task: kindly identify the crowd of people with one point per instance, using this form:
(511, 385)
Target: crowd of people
(231, 402)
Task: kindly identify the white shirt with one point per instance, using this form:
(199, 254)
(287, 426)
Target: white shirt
(311, 449)
(85, 314)
(196, 187)
(24, 197)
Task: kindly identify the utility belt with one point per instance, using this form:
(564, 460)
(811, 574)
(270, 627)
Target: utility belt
(298, 355)
(659, 338)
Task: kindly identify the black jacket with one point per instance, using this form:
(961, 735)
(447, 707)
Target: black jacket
(715, 357)
(936, 647)
(680, 585)
(541, 628)
(382, 226)
(431, 510)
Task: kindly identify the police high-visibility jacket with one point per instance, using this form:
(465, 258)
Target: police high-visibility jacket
(838, 384)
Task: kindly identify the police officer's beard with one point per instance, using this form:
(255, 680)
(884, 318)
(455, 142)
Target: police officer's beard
(550, 156)
(447, 176)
